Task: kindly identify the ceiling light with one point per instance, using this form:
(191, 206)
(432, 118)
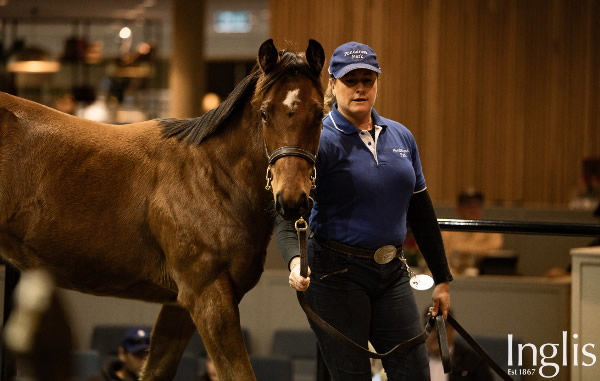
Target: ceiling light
(32, 59)
(125, 33)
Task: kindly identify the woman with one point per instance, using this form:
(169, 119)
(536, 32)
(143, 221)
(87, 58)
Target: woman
(369, 183)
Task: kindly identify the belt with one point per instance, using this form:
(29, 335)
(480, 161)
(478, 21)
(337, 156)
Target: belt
(382, 255)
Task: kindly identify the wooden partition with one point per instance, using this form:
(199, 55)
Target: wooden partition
(501, 95)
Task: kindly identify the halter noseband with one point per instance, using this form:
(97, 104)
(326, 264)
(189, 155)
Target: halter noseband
(290, 151)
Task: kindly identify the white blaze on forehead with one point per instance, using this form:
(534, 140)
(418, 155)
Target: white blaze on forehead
(292, 99)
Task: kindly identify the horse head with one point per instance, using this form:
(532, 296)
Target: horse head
(289, 99)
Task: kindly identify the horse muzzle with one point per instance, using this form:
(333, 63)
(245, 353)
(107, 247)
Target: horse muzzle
(291, 201)
(292, 210)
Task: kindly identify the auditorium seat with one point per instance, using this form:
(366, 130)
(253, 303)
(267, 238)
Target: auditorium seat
(300, 346)
(86, 363)
(270, 368)
(497, 348)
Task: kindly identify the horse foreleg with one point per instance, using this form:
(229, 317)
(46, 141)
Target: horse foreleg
(216, 314)
(170, 336)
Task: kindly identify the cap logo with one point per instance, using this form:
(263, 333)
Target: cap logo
(356, 54)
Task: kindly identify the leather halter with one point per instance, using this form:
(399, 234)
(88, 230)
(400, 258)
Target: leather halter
(289, 151)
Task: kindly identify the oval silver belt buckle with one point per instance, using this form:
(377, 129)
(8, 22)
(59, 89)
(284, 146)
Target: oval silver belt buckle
(385, 254)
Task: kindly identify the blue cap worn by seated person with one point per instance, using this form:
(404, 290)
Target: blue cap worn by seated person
(350, 56)
(136, 340)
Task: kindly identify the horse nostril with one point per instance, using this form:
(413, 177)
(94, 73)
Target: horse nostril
(291, 210)
(279, 204)
(302, 204)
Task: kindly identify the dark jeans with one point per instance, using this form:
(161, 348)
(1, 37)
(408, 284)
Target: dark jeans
(365, 301)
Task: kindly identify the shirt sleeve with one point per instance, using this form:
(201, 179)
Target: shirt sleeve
(286, 239)
(420, 184)
(423, 222)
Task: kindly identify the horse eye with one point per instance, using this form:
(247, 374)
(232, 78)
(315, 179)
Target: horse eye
(263, 115)
(319, 116)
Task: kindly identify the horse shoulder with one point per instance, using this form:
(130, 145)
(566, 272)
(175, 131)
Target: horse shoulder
(9, 119)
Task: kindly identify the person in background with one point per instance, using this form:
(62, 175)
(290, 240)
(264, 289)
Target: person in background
(369, 186)
(463, 248)
(587, 195)
(132, 353)
(466, 364)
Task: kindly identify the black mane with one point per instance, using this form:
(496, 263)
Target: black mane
(195, 130)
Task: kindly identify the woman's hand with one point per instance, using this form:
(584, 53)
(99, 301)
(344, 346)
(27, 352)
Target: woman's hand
(297, 281)
(441, 299)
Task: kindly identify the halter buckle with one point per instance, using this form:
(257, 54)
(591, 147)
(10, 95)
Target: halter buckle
(313, 178)
(269, 178)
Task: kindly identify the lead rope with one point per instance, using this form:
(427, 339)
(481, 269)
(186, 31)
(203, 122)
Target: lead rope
(463, 332)
(438, 321)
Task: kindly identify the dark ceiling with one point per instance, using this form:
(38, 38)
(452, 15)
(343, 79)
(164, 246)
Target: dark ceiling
(82, 9)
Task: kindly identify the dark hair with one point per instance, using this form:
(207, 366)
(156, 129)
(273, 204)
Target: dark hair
(195, 130)
(469, 195)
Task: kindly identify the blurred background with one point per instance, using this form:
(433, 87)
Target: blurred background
(501, 95)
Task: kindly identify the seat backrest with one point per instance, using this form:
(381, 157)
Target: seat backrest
(497, 349)
(269, 368)
(188, 368)
(86, 363)
(294, 343)
(196, 346)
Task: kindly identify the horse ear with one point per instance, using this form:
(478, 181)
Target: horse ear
(267, 56)
(315, 56)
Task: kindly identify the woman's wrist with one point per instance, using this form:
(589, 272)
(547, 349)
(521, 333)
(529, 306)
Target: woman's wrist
(295, 261)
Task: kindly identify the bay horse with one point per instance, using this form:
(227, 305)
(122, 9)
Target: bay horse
(167, 211)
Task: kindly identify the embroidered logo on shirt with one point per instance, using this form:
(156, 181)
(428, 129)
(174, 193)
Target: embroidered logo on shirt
(403, 152)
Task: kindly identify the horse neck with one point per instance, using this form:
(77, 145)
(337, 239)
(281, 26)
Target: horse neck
(240, 152)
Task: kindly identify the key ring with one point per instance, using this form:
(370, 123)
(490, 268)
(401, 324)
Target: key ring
(417, 281)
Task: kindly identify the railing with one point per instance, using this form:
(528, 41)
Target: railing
(517, 227)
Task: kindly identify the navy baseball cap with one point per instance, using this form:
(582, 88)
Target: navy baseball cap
(136, 340)
(350, 56)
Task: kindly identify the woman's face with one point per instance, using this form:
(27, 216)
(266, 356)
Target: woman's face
(355, 94)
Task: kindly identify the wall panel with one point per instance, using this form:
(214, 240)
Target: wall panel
(501, 95)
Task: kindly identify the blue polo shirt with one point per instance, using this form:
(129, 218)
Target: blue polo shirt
(364, 185)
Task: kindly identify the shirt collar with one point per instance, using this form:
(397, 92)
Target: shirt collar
(342, 124)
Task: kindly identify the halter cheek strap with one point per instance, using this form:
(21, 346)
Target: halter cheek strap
(289, 151)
